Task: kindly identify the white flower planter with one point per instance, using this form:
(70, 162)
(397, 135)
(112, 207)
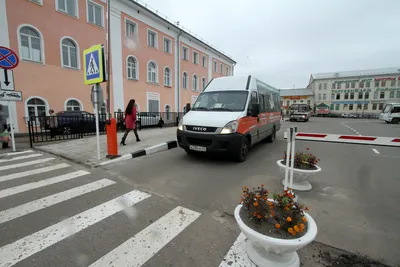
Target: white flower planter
(300, 177)
(267, 251)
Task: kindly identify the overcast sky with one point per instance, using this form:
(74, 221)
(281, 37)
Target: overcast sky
(283, 42)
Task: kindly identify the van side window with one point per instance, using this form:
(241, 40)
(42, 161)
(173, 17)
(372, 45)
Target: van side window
(261, 101)
(396, 110)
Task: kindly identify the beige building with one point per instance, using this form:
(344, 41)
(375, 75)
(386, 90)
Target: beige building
(356, 92)
(296, 96)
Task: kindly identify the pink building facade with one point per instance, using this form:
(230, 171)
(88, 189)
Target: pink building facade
(153, 60)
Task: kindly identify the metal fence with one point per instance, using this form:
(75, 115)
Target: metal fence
(150, 119)
(54, 128)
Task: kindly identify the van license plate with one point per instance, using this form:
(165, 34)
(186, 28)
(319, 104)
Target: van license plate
(198, 148)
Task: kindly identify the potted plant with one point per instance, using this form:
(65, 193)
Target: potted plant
(275, 227)
(305, 166)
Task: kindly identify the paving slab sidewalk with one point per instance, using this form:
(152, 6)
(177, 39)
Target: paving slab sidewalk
(84, 150)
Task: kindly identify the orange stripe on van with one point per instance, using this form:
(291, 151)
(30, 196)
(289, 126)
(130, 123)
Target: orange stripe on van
(246, 124)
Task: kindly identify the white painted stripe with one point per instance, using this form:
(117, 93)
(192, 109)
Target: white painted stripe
(26, 187)
(156, 148)
(27, 246)
(376, 151)
(48, 201)
(18, 153)
(111, 161)
(236, 256)
(32, 172)
(24, 164)
(21, 157)
(141, 247)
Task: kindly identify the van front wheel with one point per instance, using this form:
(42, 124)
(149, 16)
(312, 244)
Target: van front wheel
(244, 150)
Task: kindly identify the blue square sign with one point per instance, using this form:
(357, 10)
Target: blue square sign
(94, 65)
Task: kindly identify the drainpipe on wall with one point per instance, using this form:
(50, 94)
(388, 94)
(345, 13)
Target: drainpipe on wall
(178, 71)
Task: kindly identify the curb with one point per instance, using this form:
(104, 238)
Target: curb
(143, 152)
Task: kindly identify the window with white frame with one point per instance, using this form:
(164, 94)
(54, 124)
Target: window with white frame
(227, 71)
(194, 80)
(132, 68)
(73, 105)
(203, 81)
(185, 53)
(184, 80)
(151, 38)
(204, 61)
(215, 66)
(167, 76)
(37, 1)
(168, 112)
(67, 6)
(167, 45)
(31, 44)
(95, 13)
(69, 53)
(221, 68)
(36, 108)
(130, 29)
(152, 72)
(195, 57)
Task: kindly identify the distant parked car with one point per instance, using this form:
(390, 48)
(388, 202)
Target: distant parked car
(148, 119)
(69, 122)
(347, 115)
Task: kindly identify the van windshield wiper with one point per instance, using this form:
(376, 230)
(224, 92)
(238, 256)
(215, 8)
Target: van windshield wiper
(224, 109)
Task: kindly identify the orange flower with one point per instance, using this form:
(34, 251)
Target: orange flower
(254, 213)
(288, 219)
(290, 230)
(296, 228)
(294, 233)
(255, 204)
(259, 216)
(304, 219)
(277, 226)
(287, 208)
(302, 226)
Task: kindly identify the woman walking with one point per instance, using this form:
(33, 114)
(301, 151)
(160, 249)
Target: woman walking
(130, 121)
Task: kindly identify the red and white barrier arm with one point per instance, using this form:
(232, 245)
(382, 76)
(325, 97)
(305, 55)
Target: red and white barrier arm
(349, 139)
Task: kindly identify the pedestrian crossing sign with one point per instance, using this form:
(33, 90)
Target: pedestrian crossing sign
(94, 67)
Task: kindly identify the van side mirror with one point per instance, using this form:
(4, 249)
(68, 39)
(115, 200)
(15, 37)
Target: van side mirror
(254, 110)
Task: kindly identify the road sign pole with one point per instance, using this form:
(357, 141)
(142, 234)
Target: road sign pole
(11, 127)
(96, 112)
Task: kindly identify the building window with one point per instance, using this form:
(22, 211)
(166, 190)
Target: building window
(338, 96)
(361, 84)
(339, 86)
(325, 86)
(333, 85)
(393, 83)
(95, 14)
(40, 2)
(368, 84)
(167, 112)
(345, 106)
(31, 44)
(204, 61)
(375, 95)
(332, 96)
(380, 106)
(221, 68)
(72, 105)
(69, 53)
(203, 81)
(376, 83)
(351, 95)
(130, 29)
(324, 97)
(320, 86)
(347, 85)
(151, 38)
(382, 95)
(294, 101)
(36, 108)
(346, 95)
(398, 94)
(184, 80)
(353, 84)
(152, 72)
(350, 106)
(167, 76)
(365, 106)
(215, 66)
(195, 57)
(227, 71)
(391, 94)
(331, 106)
(67, 6)
(132, 68)
(337, 107)
(185, 53)
(308, 102)
(374, 106)
(359, 106)
(167, 45)
(319, 96)
(360, 95)
(383, 83)
(194, 82)
(366, 95)
(153, 102)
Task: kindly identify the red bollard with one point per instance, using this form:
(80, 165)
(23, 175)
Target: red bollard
(112, 142)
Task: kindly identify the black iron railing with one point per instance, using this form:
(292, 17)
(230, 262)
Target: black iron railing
(150, 119)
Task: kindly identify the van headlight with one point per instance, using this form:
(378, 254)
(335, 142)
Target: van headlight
(230, 127)
(180, 125)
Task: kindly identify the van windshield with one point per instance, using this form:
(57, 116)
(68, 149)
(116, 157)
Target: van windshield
(387, 108)
(221, 101)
